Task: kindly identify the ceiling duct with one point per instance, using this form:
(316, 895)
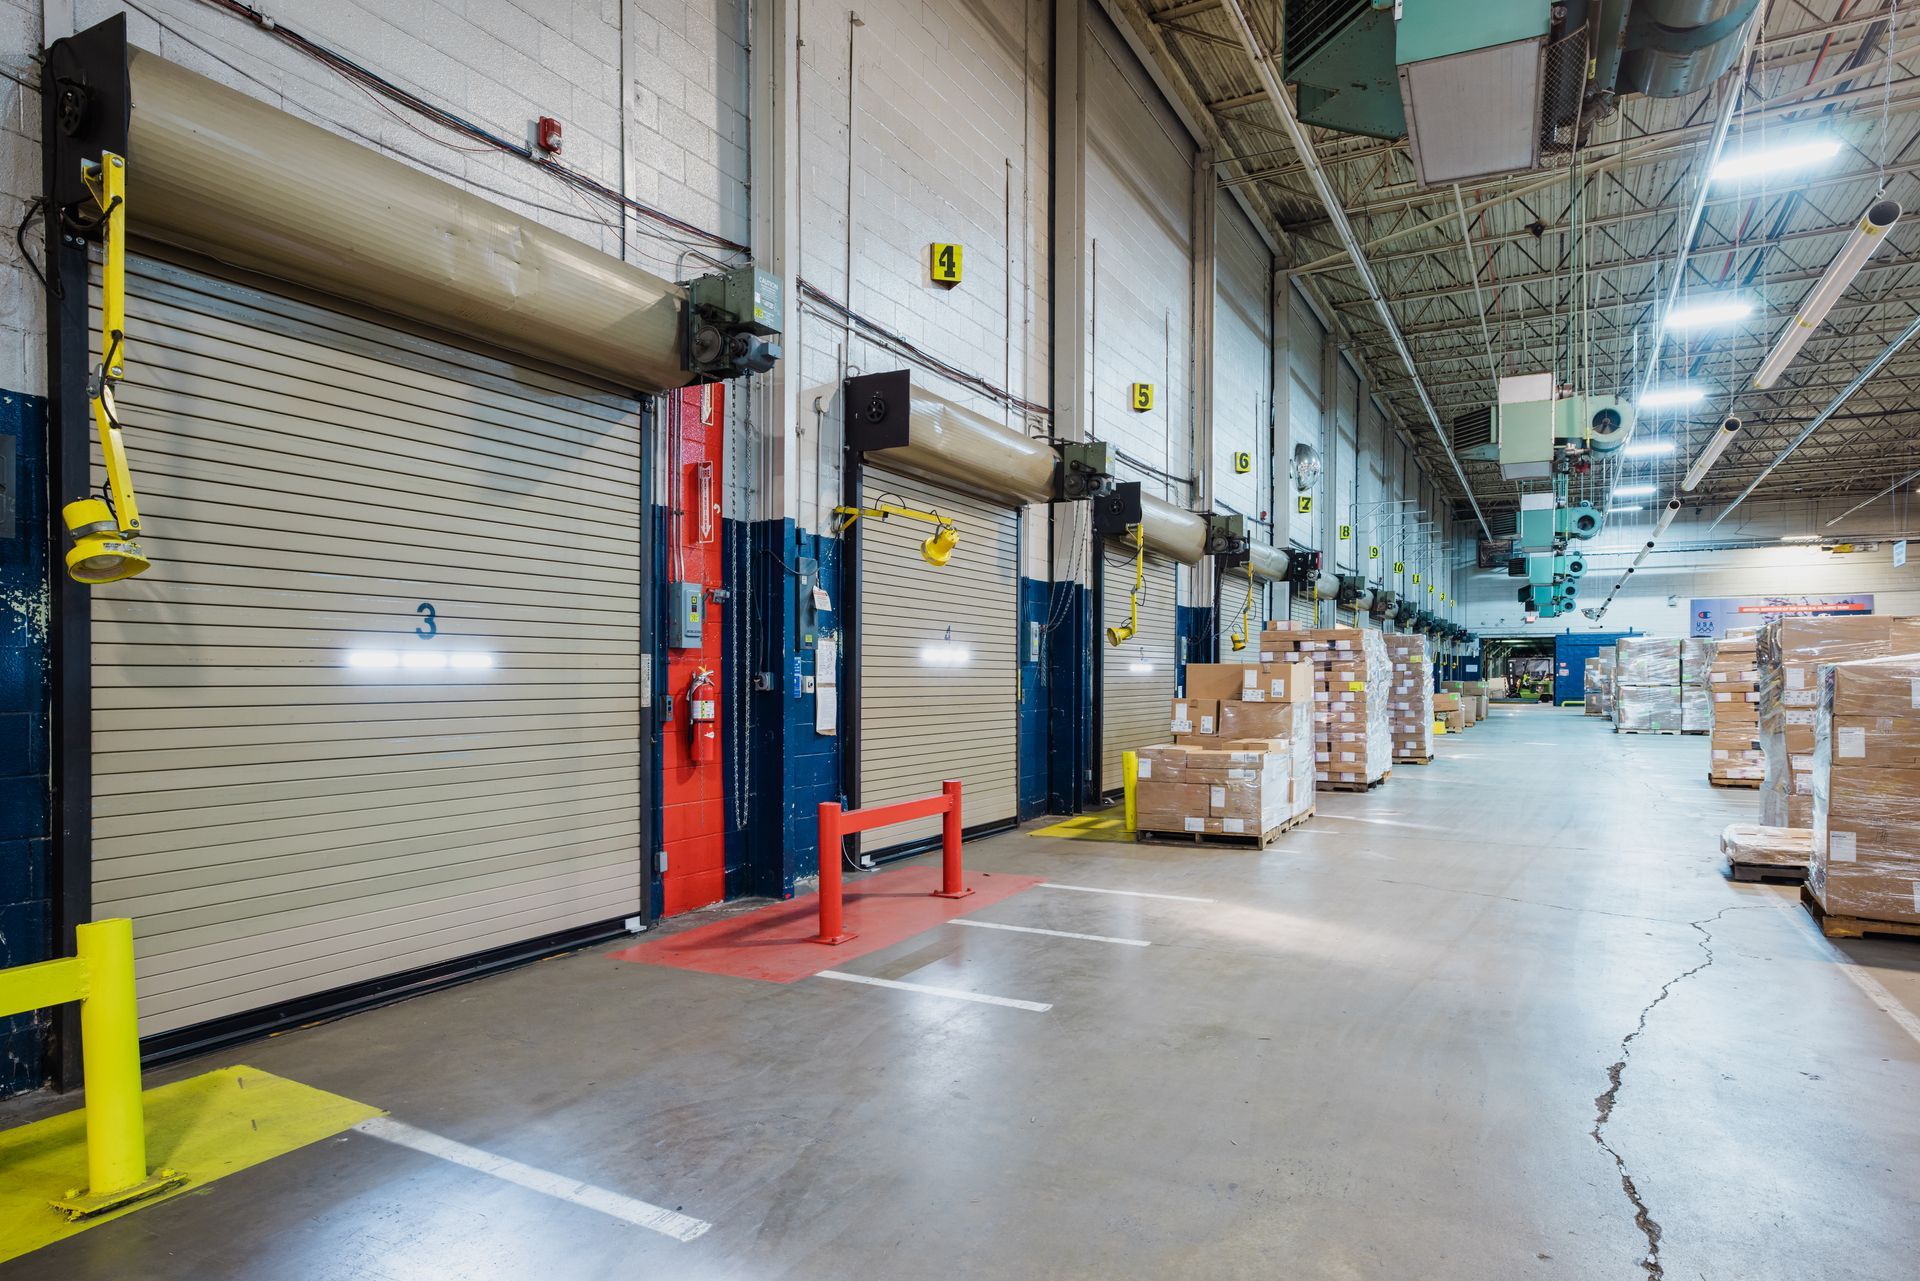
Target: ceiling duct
(895, 422)
(1170, 531)
(218, 172)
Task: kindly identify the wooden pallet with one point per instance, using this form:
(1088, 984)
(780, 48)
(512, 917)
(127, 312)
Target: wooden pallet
(1413, 760)
(1785, 873)
(1733, 782)
(1618, 730)
(1226, 840)
(1853, 927)
(1334, 786)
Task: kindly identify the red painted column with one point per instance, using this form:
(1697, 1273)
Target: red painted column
(693, 794)
(950, 886)
(831, 859)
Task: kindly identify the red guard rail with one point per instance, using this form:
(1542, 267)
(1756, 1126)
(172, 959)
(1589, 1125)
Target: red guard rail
(836, 823)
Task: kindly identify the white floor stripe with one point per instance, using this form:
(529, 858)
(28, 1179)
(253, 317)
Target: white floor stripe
(681, 1227)
(1870, 987)
(1094, 889)
(1037, 1007)
(1058, 934)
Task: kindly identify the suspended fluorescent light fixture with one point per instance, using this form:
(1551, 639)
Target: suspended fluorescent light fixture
(1704, 315)
(1649, 449)
(1802, 153)
(1799, 538)
(1617, 508)
(1666, 518)
(1140, 666)
(1672, 397)
(1868, 235)
(1632, 491)
(1715, 447)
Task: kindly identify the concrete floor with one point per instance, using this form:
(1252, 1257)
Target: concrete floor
(1376, 1055)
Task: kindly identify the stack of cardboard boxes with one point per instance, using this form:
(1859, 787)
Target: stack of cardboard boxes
(1866, 790)
(1595, 701)
(1788, 656)
(1733, 685)
(1696, 701)
(1410, 701)
(1447, 710)
(1473, 699)
(1242, 759)
(1353, 679)
(1646, 684)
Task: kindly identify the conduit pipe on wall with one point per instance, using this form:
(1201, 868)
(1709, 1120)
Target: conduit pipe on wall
(218, 172)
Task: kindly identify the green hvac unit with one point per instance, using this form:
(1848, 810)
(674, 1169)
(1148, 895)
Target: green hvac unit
(1340, 53)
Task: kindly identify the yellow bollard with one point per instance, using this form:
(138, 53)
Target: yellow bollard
(110, 1057)
(1130, 772)
(110, 1063)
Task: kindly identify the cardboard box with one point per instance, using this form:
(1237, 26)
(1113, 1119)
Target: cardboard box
(1448, 702)
(1194, 718)
(1221, 681)
(1287, 682)
(1265, 720)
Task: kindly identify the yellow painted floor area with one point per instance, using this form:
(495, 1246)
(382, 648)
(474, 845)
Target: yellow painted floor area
(1109, 824)
(205, 1127)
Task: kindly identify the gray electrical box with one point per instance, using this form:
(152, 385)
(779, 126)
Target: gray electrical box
(686, 615)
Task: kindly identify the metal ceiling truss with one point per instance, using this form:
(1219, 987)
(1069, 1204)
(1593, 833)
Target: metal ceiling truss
(1819, 61)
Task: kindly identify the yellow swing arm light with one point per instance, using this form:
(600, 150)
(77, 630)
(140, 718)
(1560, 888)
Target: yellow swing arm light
(1122, 634)
(105, 538)
(1239, 637)
(935, 549)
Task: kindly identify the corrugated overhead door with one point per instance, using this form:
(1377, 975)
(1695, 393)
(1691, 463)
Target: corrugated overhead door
(1137, 677)
(377, 705)
(939, 658)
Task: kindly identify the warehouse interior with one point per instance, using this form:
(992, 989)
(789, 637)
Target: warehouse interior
(985, 638)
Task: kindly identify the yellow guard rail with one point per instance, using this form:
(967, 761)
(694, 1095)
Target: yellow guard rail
(100, 977)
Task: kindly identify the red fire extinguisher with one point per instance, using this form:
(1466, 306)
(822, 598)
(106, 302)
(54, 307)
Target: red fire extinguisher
(703, 720)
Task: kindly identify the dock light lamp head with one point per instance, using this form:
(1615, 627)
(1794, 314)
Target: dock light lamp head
(101, 553)
(938, 546)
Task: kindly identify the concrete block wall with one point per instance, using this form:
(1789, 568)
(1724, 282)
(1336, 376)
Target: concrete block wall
(1140, 232)
(920, 124)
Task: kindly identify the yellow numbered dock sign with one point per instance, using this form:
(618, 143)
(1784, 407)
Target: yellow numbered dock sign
(946, 264)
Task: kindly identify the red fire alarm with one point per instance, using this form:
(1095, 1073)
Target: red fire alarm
(548, 135)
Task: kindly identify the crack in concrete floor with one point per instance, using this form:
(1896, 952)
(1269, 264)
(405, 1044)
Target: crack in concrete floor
(1604, 1103)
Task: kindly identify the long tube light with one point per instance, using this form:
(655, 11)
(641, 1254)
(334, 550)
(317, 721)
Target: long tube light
(1868, 235)
(1666, 518)
(1911, 476)
(1833, 406)
(1711, 454)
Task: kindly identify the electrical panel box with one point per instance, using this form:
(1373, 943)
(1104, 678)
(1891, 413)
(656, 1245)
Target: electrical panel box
(686, 615)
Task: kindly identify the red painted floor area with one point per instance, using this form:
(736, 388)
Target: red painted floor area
(882, 909)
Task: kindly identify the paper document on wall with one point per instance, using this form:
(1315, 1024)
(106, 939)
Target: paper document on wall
(826, 687)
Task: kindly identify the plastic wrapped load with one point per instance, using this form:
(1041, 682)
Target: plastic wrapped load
(1696, 659)
(1646, 709)
(1591, 701)
(1788, 655)
(1696, 709)
(1866, 790)
(1353, 680)
(1645, 660)
(1227, 787)
(1733, 685)
(1410, 702)
(1755, 845)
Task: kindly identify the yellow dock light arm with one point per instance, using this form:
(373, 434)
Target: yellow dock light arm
(1124, 633)
(1239, 636)
(935, 549)
(105, 549)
